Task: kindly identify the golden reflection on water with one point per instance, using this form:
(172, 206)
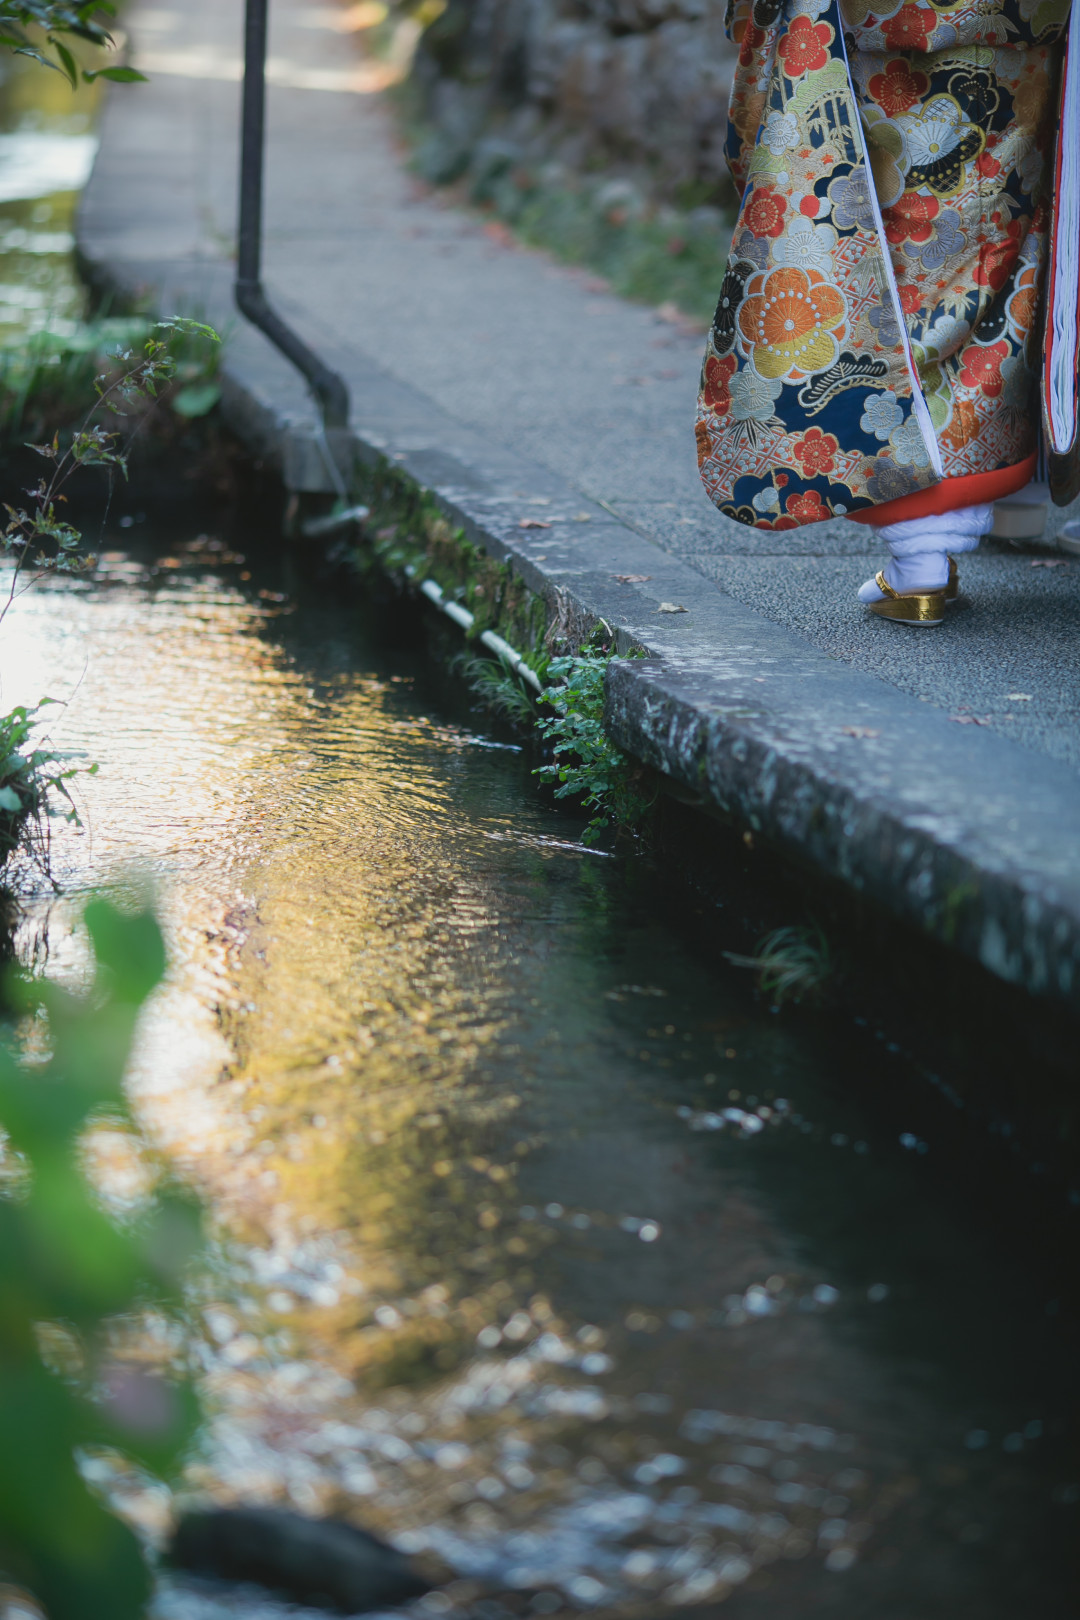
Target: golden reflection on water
(473, 1279)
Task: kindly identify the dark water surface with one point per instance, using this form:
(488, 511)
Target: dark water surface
(542, 1244)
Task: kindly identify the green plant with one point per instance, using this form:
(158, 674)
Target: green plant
(22, 22)
(587, 764)
(132, 382)
(70, 1272)
(34, 782)
(47, 377)
(39, 541)
(499, 688)
(792, 964)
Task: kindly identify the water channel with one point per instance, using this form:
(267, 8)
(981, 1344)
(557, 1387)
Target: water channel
(540, 1244)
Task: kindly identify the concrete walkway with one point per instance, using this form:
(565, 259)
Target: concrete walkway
(512, 386)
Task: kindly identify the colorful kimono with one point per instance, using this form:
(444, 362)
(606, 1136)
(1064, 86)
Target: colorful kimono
(877, 344)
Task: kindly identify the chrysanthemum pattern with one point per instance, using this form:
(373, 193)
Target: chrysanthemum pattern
(811, 413)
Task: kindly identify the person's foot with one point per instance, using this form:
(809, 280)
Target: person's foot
(927, 571)
(921, 608)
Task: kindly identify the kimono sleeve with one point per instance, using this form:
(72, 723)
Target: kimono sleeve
(755, 27)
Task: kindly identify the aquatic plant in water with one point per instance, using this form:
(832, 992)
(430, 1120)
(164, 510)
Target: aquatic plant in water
(70, 1271)
(792, 964)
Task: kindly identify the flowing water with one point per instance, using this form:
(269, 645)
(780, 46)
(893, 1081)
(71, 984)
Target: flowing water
(47, 147)
(541, 1245)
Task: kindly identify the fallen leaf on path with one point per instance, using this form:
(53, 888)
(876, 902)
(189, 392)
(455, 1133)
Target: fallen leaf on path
(533, 523)
(496, 232)
(860, 731)
(1018, 697)
(971, 719)
(671, 607)
(1050, 562)
(631, 579)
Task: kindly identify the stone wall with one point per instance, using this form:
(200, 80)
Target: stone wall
(628, 89)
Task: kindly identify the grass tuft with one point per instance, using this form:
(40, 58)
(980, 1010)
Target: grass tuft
(792, 964)
(498, 687)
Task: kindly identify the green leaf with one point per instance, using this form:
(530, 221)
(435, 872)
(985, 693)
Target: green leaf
(130, 946)
(118, 75)
(197, 399)
(9, 799)
(67, 62)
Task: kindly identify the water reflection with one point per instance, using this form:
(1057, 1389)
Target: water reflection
(539, 1246)
(46, 151)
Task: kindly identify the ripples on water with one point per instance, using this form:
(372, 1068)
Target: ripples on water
(539, 1245)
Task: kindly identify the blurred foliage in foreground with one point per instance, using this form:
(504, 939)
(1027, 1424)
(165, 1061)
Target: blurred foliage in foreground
(39, 29)
(69, 1269)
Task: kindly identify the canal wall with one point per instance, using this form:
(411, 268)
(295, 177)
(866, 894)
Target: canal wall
(959, 832)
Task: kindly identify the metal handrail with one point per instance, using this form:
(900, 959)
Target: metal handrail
(328, 388)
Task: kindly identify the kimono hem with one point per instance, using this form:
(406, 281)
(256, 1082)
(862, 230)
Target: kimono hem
(877, 342)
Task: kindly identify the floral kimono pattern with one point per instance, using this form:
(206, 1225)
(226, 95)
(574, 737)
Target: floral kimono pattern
(878, 328)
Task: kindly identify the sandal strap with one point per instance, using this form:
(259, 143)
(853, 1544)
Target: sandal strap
(885, 588)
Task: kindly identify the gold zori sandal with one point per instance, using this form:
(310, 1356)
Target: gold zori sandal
(922, 608)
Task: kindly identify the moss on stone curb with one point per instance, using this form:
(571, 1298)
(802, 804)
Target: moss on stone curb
(408, 534)
(409, 538)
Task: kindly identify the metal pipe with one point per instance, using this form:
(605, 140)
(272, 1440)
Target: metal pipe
(328, 388)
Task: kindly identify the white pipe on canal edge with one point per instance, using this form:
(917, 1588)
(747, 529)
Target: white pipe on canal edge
(502, 649)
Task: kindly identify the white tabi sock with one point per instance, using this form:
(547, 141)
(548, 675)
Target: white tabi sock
(919, 549)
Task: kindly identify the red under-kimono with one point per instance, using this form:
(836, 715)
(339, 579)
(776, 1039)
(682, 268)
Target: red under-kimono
(878, 342)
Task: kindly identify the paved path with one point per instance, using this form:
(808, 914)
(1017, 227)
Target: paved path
(467, 352)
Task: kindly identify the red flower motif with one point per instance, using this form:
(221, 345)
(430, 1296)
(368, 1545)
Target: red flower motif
(910, 219)
(781, 480)
(910, 29)
(816, 451)
(751, 41)
(898, 87)
(764, 213)
(911, 298)
(806, 508)
(982, 368)
(718, 373)
(804, 47)
(996, 259)
(986, 166)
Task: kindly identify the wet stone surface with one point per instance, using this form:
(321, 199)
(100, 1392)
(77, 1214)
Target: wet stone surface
(541, 1247)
